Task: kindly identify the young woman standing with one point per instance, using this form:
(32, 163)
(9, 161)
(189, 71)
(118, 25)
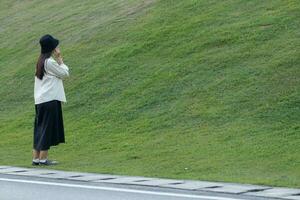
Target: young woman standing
(48, 95)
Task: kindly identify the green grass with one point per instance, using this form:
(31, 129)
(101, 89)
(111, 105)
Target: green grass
(195, 89)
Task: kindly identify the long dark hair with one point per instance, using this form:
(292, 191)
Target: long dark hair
(40, 68)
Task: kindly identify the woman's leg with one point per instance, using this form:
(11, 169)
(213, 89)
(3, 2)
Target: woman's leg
(35, 154)
(44, 159)
(43, 155)
(35, 157)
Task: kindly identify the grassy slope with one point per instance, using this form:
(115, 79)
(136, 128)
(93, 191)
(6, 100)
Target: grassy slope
(191, 89)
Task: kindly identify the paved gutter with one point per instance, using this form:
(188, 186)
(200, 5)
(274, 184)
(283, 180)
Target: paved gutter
(218, 187)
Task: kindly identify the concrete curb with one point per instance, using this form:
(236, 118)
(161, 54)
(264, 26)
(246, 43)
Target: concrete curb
(229, 188)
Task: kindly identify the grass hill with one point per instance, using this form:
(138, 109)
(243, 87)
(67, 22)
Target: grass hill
(195, 89)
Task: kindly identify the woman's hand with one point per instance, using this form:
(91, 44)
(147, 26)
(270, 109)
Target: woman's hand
(58, 56)
(57, 53)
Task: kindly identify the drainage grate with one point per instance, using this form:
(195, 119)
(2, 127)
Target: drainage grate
(19, 171)
(75, 176)
(177, 183)
(107, 178)
(50, 173)
(140, 181)
(256, 190)
(212, 187)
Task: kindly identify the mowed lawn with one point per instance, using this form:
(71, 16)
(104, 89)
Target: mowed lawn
(193, 89)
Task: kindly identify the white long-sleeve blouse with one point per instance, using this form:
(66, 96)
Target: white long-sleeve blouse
(51, 86)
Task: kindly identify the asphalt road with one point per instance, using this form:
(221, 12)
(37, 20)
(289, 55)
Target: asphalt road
(26, 188)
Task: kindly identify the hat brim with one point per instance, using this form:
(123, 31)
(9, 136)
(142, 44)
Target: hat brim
(55, 43)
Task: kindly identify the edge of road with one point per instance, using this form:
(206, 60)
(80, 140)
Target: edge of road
(187, 185)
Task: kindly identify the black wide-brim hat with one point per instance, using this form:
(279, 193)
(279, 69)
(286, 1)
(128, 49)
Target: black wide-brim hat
(48, 43)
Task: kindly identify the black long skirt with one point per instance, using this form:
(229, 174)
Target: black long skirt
(48, 125)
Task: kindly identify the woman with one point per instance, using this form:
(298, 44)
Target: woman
(48, 95)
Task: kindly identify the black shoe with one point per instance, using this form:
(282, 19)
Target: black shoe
(35, 163)
(48, 162)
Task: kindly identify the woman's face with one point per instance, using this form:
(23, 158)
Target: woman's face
(56, 52)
